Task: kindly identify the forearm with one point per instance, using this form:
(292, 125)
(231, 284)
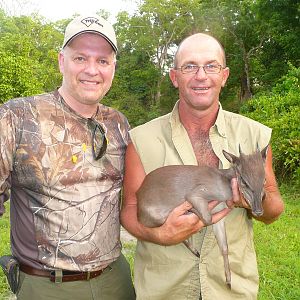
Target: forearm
(272, 205)
(130, 222)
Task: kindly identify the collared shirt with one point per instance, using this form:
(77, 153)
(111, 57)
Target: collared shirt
(64, 203)
(173, 272)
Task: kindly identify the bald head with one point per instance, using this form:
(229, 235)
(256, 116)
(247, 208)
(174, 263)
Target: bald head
(199, 42)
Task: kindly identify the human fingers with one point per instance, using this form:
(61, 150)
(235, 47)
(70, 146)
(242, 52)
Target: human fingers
(212, 204)
(182, 208)
(235, 191)
(237, 197)
(230, 203)
(179, 226)
(216, 217)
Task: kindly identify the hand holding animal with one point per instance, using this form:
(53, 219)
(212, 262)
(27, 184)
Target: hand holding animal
(167, 187)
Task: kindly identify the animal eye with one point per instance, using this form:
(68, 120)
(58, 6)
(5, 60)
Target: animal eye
(243, 181)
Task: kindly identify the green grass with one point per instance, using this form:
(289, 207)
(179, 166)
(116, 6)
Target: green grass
(4, 249)
(277, 247)
(128, 251)
(278, 251)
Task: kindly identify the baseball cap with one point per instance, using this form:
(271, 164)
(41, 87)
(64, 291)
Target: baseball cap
(92, 24)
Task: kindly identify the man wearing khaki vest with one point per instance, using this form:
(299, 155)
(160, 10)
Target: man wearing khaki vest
(195, 133)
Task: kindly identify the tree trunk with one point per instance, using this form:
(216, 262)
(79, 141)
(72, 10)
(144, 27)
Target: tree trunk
(246, 92)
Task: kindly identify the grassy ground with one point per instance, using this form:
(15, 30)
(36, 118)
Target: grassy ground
(4, 249)
(278, 251)
(277, 246)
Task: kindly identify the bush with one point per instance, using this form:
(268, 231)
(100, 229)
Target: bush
(280, 110)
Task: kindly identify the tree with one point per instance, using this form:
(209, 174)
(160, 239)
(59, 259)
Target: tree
(152, 32)
(259, 36)
(29, 56)
(243, 35)
(282, 17)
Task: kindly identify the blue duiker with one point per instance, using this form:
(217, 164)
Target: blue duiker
(165, 188)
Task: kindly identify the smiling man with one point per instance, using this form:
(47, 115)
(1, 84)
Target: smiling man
(195, 133)
(62, 160)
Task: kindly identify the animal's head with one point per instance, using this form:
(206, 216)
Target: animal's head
(250, 171)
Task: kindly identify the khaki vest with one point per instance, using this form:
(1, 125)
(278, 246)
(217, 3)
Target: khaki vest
(173, 272)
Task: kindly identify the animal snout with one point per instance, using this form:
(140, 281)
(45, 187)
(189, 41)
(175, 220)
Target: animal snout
(257, 213)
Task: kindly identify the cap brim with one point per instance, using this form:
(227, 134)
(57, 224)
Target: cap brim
(91, 31)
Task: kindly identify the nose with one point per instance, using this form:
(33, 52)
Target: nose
(201, 75)
(91, 68)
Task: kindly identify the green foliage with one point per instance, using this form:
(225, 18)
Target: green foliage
(277, 246)
(280, 110)
(131, 87)
(17, 77)
(282, 17)
(260, 38)
(148, 40)
(4, 249)
(129, 251)
(28, 48)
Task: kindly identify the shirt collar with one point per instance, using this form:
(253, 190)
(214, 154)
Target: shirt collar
(174, 119)
(219, 126)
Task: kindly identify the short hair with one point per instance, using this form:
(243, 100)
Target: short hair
(179, 46)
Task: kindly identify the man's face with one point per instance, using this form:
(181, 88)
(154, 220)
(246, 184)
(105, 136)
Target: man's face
(199, 91)
(88, 66)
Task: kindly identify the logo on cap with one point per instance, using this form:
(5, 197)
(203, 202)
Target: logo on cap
(90, 21)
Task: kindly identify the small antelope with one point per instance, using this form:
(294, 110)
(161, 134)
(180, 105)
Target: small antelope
(165, 188)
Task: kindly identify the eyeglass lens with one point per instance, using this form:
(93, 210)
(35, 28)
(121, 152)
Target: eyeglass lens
(99, 140)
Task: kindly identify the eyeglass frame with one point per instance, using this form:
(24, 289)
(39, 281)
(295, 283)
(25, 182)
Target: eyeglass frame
(103, 147)
(196, 70)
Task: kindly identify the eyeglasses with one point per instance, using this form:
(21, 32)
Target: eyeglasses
(193, 69)
(99, 140)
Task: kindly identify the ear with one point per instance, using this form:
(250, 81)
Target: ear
(61, 62)
(114, 70)
(230, 157)
(173, 77)
(264, 152)
(225, 76)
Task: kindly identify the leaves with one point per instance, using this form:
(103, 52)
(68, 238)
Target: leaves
(260, 39)
(280, 110)
(28, 49)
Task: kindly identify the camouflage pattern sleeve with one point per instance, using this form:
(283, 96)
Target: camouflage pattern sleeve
(8, 136)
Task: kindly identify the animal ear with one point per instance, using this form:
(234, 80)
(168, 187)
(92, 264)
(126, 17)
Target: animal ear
(264, 152)
(230, 157)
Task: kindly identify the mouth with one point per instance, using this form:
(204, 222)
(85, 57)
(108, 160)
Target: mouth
(256, 210)
(200, 89)
(88, 82)
(257, 213)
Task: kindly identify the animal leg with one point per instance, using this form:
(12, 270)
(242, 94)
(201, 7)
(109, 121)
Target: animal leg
(200, 206)
(220, 234)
